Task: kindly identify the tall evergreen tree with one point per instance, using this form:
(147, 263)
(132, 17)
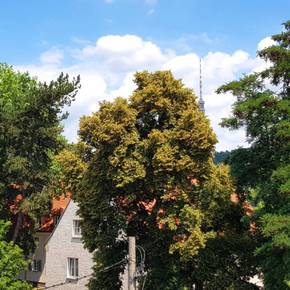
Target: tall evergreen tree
(30, 125)
(262, 171)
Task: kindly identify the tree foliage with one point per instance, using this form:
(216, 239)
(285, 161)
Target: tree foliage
(262, 171)
(11, 262)
(150, 173)
(30, 125)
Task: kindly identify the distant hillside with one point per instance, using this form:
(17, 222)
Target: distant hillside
(221, 156)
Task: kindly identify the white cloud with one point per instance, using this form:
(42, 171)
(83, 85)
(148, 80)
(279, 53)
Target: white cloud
(261, 64)
(107, 70)
(126, 88)
(265, 42)
(52, 56)
(127, 50)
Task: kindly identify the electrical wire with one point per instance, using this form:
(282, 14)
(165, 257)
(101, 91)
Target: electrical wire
(144, 252)
(112, 266)
(143, 256)
(144, 281)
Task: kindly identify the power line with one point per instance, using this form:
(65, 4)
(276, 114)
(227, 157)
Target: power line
(144, 281)
(141, 253)
(144, 252)
(142, 266)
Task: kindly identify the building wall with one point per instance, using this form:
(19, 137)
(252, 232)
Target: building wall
(55, 248)
(60, 247)
(39, 254)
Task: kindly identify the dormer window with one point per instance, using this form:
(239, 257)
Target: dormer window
(76, 231)
(56, 219)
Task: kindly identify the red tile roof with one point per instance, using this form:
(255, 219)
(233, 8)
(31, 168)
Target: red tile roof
(58, 206)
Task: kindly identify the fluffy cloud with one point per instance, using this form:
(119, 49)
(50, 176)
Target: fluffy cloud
(261, 64)
(265, 42)
(123, 53)
(52, 56)
(107, 69)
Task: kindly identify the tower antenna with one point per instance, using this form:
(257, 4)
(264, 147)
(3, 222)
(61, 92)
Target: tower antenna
(201, 101)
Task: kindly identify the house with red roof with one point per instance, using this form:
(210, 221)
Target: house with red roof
(60, 260)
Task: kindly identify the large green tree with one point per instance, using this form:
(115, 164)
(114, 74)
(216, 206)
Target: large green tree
(149, 172)
(30, 135)
(262, 171)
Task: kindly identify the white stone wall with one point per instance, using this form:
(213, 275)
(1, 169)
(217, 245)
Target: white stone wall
(39, 254)
(61, 246)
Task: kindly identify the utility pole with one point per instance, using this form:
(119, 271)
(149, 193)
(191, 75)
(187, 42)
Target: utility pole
(132, 264)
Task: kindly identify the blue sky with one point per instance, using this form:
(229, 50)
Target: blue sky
(96, 38)
(27, 27)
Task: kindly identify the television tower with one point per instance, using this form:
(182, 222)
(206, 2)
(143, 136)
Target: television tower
(201, 101)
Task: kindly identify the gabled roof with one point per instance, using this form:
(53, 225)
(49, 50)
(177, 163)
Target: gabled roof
(59, 205)
(55, 225)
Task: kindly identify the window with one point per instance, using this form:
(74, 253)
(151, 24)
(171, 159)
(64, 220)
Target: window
(56, 219)
(35, 266)
(72, 268)
(76, 229)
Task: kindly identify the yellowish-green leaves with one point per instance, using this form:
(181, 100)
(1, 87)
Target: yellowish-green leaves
(71, 170)
(109, 124)
(151, 174)
(192, 238)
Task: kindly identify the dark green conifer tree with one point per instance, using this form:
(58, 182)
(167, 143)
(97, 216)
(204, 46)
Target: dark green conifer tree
(262, 171)
(30, 135)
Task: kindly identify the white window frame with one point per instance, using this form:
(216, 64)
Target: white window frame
(36, 265)
(76, 229)
(72, 268)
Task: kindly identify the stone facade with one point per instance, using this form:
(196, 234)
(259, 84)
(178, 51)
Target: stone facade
(37, 277)
(62, 245)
